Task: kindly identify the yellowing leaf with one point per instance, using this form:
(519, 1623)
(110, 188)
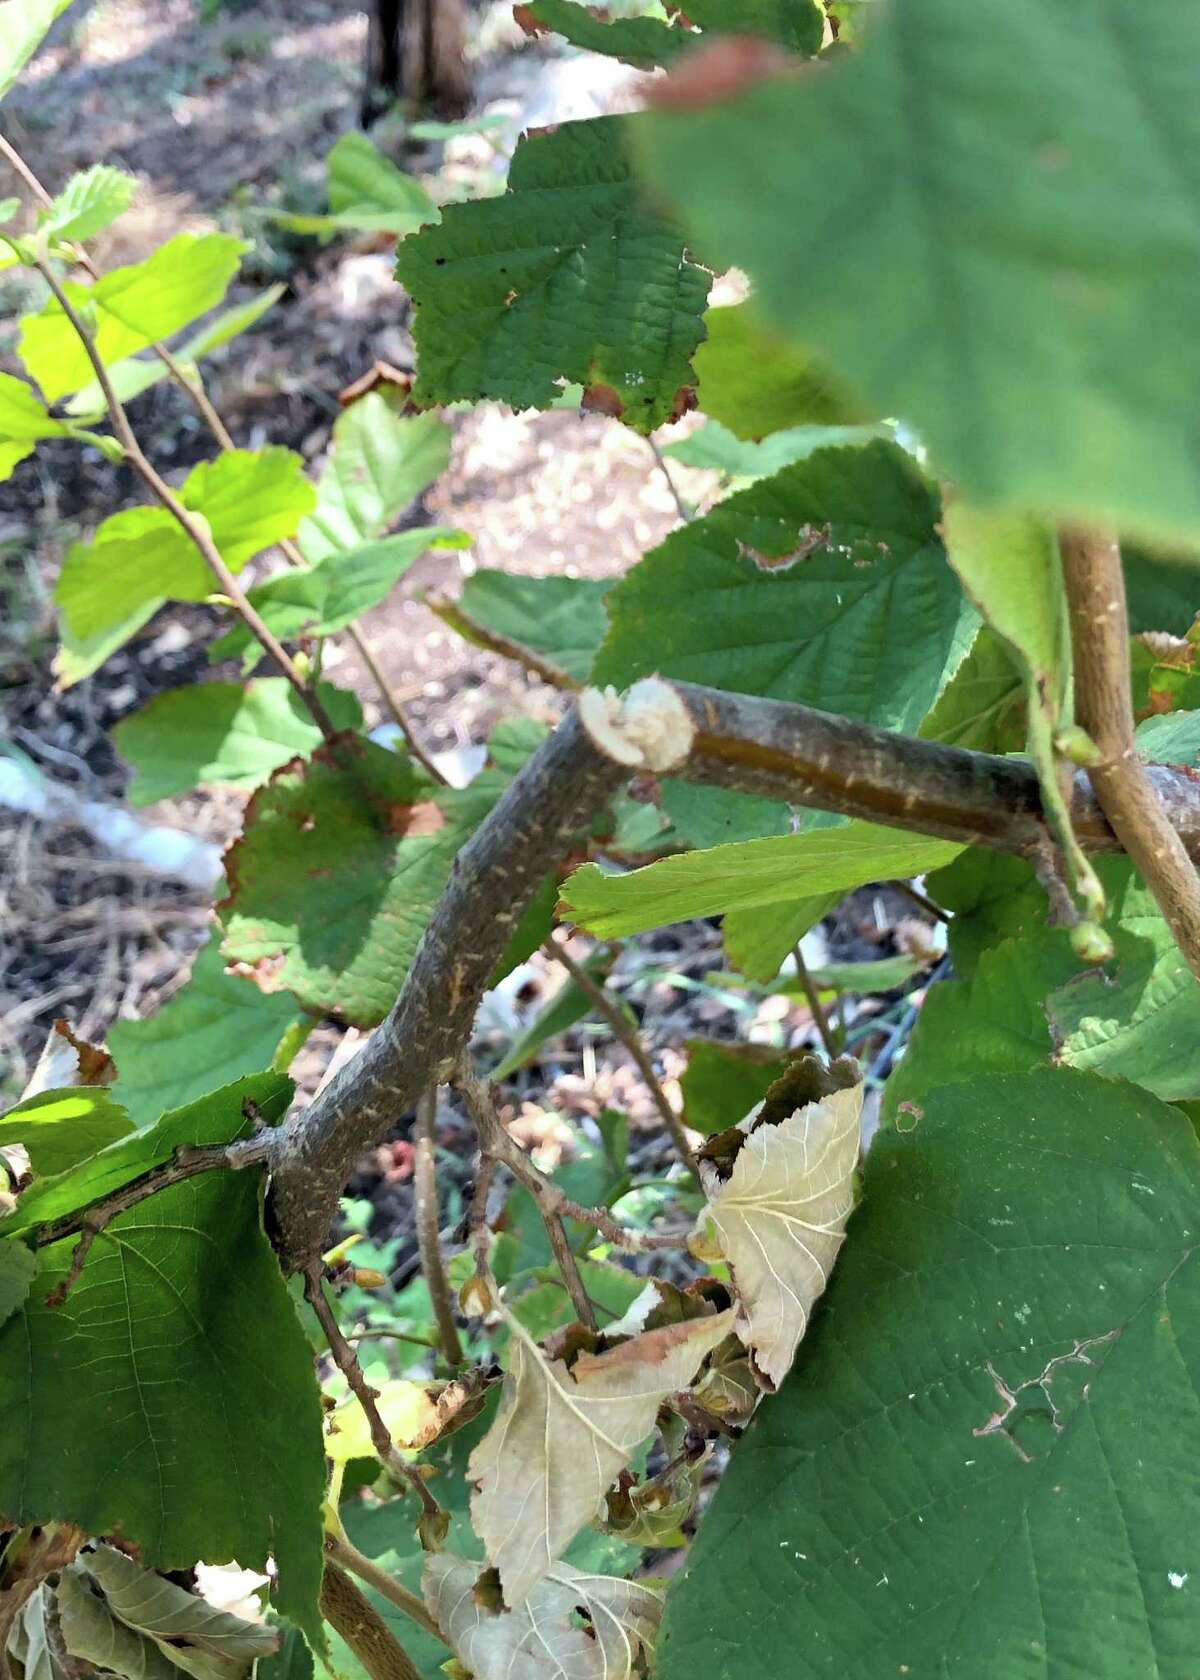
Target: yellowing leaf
(407, 1408)
(779, 1220)
(542, 1639)
(562, 1435)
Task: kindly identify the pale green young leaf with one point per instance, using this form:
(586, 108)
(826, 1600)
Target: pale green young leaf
(24, 421)
(941, 230)
(180, 1346)
(994, 1412)
(569, 276)
(138, 373)
(1173, 739)
(214, 1029)
(90, 202)
(58, 1129)
(560, 620)
(139, 558)
(335, 592)
(757, 941)
(723, 1082)
(648, 42)
(380, 462)
(128, 309)
(23, 23)
(982, 707)
(223, 734)
(749, 876)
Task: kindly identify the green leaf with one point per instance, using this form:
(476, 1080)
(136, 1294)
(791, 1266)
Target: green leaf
(24, 421)
(329, 894)
(230, 734)
(1173, 739)
(331, 595)
(758, 940)
(366, 190)
(18, 1267)
(560, 619)
(140, 558)
(1162, 594)
(89, 203)
(216, 1118)
(940, 227)
(137, 374)
(23, 23)
(985, 1418)
(648, 42)
(61, 1128)
(379, 464)
(712, 448)
(723, 1082)
(215, 1028)
(993, 896)
(181, 1348)
(569, 1004)
(802, 588)
(754, 382)
(128, 309)
(993, 1023)
(567, 277)
(1010, 567)
(982, 707)
(749, 876)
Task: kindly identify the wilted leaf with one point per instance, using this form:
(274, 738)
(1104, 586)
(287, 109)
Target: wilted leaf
(567, 276)
(562, 1435)
(60, 1128)
(409, 1409)
(129, 308)
(217, 733)
(94, 1635)
(29, 1640)
(541, 1639)
(780, 1219)
(206, 1643)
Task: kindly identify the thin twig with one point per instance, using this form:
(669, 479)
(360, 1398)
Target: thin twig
(429, 1242)
(346, 1360)
(564, 1257)
(343, 1551)
(188, 1161)
(923, 900)
(1100, 636)
(479, 1232)
(820, 1019)
(196, 530)
(685, 513)
(494, 641)
(363, 1628)
(494, 1141)
(377, 1335)
(392, 702)
(606, 1005)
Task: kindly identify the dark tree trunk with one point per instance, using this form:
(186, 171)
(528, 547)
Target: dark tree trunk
(415, 54)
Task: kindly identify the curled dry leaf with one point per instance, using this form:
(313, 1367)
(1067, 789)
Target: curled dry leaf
(562, 1435)
(416, 1414)
(779, 1220)
(542, 1640)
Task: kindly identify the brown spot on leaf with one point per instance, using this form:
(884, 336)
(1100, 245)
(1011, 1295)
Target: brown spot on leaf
(602, 399)
(96, 1067)
(684, 402)
(526, 22)
(719, 70)
(411, 821)
(266, 972)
